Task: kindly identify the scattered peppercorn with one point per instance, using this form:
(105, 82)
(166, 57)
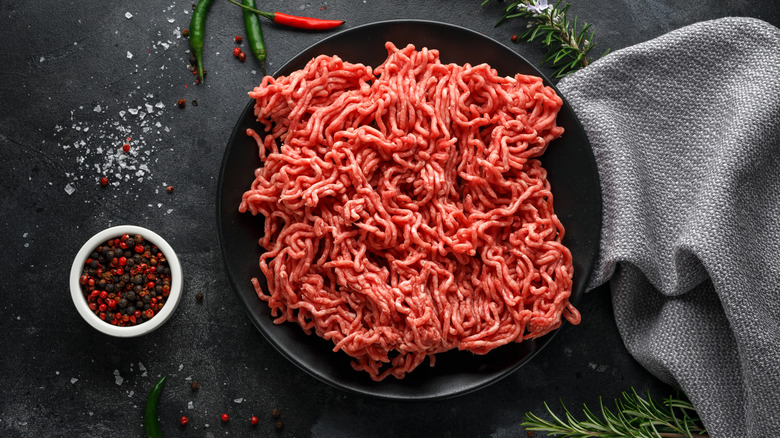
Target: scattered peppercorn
(276, 413)
(225, 418)
(254, 420)
(194, 103)
(242, 56)
(104, 181)
(182, 103)
(113, 283)
(236, 51)
(185, 32)
(126, 147)
(199, 297)
(169, 189)
(279, 424)
(514, 38)
(239, 39)
(195, 385)
(184, 421)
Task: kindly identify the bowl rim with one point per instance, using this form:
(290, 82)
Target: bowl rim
(80, 301)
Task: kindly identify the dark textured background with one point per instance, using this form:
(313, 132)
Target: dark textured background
(69, 90)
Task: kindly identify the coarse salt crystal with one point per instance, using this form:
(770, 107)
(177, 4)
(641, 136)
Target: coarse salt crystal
(69, 189)
(129, 55)
(128, 15)
(73, 380)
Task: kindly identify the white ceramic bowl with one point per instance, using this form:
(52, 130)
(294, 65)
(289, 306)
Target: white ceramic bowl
(80, 301)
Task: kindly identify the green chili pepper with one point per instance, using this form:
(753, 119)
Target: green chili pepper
(151, 424)
(254, 33)
(198, 31)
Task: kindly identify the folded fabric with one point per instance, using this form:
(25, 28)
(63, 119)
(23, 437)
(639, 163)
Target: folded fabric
(685, 129)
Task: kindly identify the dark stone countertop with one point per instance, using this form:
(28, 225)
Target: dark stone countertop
(77, 78)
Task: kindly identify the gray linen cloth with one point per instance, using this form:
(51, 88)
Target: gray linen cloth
(685, 129)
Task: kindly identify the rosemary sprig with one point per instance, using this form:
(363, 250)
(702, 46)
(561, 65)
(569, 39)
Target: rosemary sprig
(567, 46)
(635, 416)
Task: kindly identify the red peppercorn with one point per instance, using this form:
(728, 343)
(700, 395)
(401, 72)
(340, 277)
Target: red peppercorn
(93, 306)
(236, 51)
(123, 245)
(103, 295)
(122, 261)
(111, 303)
(91, 281)
(514, 38)
(126, 147)
(103, 307)
(150, 285)
(239, 39)
(242, 56)
(225, 418)
(119, 271)
(104, 181)
(149, 313)
(83, 279)
(254, 420)
(139, 248)
(170, 189)
(184, 421)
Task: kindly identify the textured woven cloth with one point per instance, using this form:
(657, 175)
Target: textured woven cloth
(685, 129)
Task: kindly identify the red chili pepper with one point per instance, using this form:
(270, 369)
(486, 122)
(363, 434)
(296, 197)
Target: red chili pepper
(294, 20)
(305, 22)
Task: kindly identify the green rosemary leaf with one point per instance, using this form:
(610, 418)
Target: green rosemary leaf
(570, 44)
(634, 416)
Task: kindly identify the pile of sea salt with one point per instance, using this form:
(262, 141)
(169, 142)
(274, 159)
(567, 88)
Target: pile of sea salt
(97, 145)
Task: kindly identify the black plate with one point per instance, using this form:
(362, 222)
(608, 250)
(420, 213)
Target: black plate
(572, 173)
